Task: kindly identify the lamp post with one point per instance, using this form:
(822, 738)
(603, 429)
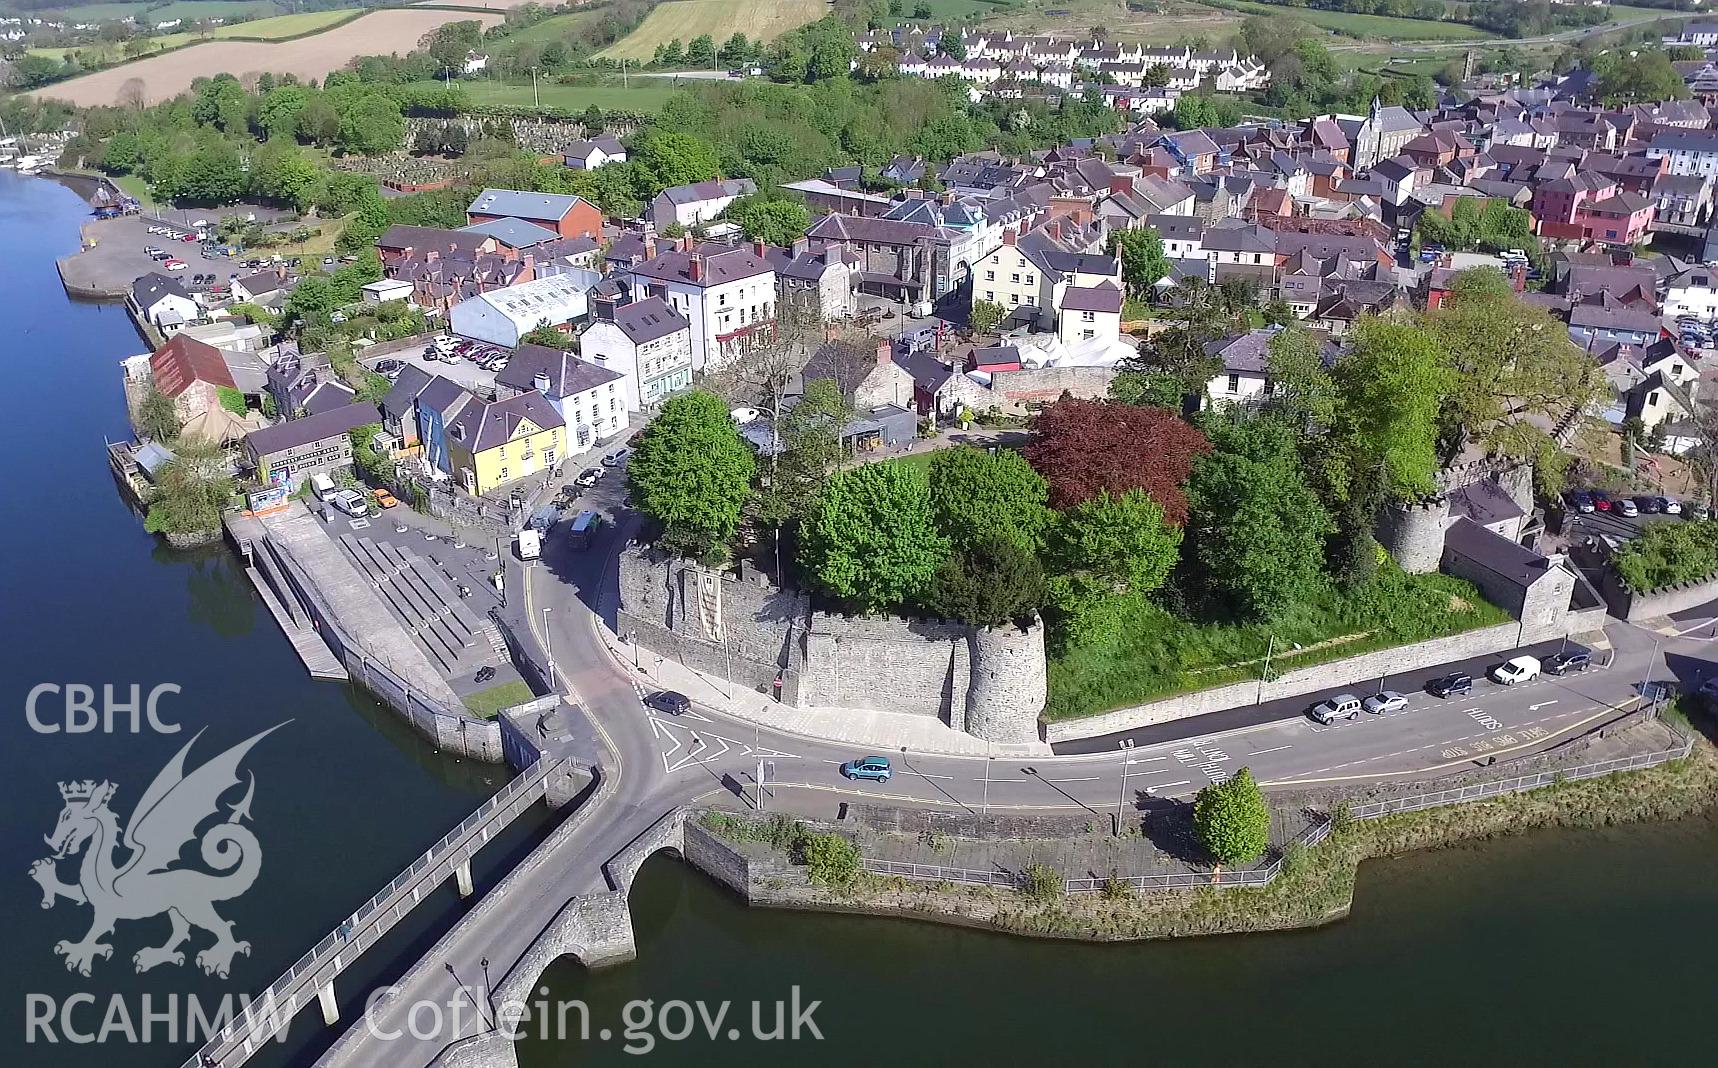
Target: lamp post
(1270, 650)
(534, 101)
(549, 647)
(1126, 747)
(987, 759)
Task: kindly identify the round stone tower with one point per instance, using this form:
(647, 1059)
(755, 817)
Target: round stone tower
(1413, 534)
(1009, 684)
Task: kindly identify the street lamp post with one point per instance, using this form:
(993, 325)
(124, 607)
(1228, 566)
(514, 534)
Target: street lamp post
(987, 759)
(549, 647)
(534, 101)
(1270, 649)
(1126, 747)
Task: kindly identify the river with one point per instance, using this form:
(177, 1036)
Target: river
(1558, 948)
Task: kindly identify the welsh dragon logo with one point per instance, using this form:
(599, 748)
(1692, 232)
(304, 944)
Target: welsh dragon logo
(150, 880)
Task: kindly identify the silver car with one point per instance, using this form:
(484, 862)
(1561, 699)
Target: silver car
(1331, 709)
(1385, 701)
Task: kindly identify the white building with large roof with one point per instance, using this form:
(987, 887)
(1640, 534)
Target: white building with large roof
(503, 316)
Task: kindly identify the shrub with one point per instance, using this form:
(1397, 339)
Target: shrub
(1044, 884)
(830, 859)
(1232, 820)
(1669, 553)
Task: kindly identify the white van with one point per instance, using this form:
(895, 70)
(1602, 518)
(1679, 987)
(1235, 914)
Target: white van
(530, 544)
(322, 486)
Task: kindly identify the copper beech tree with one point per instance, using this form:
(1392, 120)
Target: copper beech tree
(1084, 447)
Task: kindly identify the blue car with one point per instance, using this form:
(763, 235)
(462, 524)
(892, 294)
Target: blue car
(872, 767)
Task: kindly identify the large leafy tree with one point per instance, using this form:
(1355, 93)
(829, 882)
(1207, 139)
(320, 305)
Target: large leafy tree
(673, 158)
(372, 126)
(808, 450)
(1142, 260)
(992, 583)
(1107, 548)
(978, 497)
(774, 222)
(692, 473)
(1257, 527)
(870, 540)
(1232, 820)
(1392, 384)
(1087, 447)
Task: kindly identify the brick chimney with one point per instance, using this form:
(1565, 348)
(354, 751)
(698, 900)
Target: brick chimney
(758, 249)
(695, 268)
(1010, 236)
(1121, 183)
(650, 245)
(800, 245)
(529, 262)
(885, 351)
(603, 307)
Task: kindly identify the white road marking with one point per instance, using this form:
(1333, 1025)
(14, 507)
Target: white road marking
(1089, 778)
(1278, 749)
(1167, 785)
(1542, 704)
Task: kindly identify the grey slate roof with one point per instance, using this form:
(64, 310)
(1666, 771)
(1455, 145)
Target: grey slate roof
(646, 320)
(567, 373)
(312, 428)
(484, 426)
(411, 382)
(514, 233)
(1099, 298)
(710, 190)
(153, 287)
(1514, 563)
(722, 263)
(520, 204)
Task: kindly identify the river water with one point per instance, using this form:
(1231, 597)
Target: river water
(1584, 948)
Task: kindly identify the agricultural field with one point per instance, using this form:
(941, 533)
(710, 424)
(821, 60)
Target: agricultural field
(1168, 23)
(552, 28)
(178, 9)
(721, 19)
(648, 97)
(161, 77)
(271, 29)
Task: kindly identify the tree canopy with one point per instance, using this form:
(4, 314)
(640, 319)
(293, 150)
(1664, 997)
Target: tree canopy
(691, 472)
(979, 497)
(1087, 447)
(871, 540)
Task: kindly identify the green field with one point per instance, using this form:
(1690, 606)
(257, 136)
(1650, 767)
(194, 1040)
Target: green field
(1380, 26)
(271, 29)
(552, 28)
(645, 98)
(178, 9)
(685, 19)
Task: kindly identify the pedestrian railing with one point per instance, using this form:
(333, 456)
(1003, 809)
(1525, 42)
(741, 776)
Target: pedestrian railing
(1519, 784)
(1313, 835)
(273, 1008)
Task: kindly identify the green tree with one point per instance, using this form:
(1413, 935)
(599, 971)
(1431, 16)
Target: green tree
(774, 222)
(279, 109)
(1143, 263)
(1257, 527)
(1232, 820)
(985, 317)
(979, 497)
(191, 490)
(373, 126)
(672, 158)
(319, 121)
(870, 540)
(158, 416)
(702, 51)
(549, 337)
(692, 473)
(281, 172)
(214, 174)
(122, 153)
(830, 859)
(311, 301)
(993, 583)
(808, 451)
(1392, 384)
(1301, 385)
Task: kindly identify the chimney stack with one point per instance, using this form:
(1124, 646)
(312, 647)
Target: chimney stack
(650, 244)
(1010, 236)
(885, 350)
(758, 248)
(540, 382)
(695, 268)
(800, 245)
(603, 308)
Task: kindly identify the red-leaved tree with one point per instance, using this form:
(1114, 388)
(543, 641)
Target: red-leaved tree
(1084, 446)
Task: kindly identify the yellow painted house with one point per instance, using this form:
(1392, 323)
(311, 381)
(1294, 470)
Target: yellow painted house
(490, 444)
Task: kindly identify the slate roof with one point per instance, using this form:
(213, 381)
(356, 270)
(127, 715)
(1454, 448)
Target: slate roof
(411, 382)
(1514, 563)
(646, 320)
(1103, 297)
(567, 373)
(1484, 502)
(610, 146)
(483, 426)
(520, 204)
(264, 282)
(514, 233)
(722, 263)
(426, 238)
(312, 428)
(710, 190)
(1248, 353)
(153, 287)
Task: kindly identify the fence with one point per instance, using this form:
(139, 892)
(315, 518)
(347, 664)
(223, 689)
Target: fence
(1318, 832)
(1520, 784)
(274, 1007)
(1013, 880)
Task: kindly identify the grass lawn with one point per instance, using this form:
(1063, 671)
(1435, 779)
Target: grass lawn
(763, 20)
(321, 244)
(552, 28)
(921, 460)
(137, 187)
(1382, 26)
(645, 95)
(1153, 654)
(489, 703)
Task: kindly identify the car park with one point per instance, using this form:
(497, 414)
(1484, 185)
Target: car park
(1385, 701)
(590, 476)
(351, 502)
(1342, 706)
(1570, 663)
(1580, 500)
(1626, 507)
(1452, 685)
(875, 768)
(388, 366)
(669, 701)
(499, 365)
(1516, 669)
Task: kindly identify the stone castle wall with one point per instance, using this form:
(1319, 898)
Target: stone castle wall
(989, 682)
(1413, 534)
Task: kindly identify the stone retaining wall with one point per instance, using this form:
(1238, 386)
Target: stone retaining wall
(1634, 605)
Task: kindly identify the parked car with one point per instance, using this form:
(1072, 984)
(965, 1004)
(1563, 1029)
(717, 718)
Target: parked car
(499, 365)
(617, 457)
(1626, 507)
(875, 768)
(351, 502)
(1694, 509)
(1580, 500)
(1670, 506)
(1331, 709)
(384, 499)
(1649, 505)
(1517, 669)
(590, 476)
(1385, 701)
(669, 701)
(1601, 499)
(389, 367)
(1451, 685)
(1570, 663)
(174, 265)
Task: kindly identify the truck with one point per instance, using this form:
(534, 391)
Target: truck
(582, 529)
(530, 544)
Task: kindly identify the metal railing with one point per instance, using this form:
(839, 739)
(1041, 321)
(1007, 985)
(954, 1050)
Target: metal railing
(1519, 784)
(273, 1008)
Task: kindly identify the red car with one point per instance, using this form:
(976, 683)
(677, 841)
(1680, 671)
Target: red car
(189, 237)
(1601, 500)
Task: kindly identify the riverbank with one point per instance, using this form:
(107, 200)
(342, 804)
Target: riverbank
(1315, 884)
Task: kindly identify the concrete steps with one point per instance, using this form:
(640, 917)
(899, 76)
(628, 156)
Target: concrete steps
(427, 603)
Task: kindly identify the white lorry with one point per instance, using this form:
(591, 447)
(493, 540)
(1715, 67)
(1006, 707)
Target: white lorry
(530, 544)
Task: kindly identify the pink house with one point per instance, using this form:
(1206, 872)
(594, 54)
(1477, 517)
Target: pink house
(1557, 204)
(1617, 220)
